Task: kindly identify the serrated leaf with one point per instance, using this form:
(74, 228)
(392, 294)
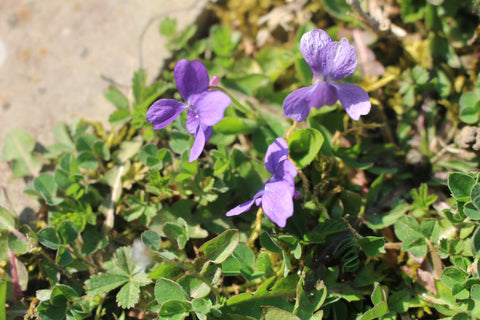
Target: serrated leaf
(128, 295)
(104, 282)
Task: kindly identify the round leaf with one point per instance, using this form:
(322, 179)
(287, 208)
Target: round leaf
(304, 145)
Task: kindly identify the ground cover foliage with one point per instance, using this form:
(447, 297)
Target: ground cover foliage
(387, 218)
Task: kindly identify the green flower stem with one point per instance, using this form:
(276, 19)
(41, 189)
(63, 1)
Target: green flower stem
(257, 227)
(240, 106)
(290, 131)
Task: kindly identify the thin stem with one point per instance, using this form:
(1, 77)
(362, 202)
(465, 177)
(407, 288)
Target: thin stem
(257, 227)
(237, 103)
(290, 131)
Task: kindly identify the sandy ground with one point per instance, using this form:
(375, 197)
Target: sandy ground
(55, 57)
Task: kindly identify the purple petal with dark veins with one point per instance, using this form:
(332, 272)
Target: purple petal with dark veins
(340, 60)
(192, 121)
(162, 112)
(191, 78)
(312, 46)
(297, 104)
(354, 99)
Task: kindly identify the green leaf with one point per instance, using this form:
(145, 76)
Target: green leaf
(139, 85)
(175, 307)
(151, 239)
(310, 301)
(372, 245)
(46, 186)
(194, 286)
(19, 245)
(221, 158)
(277, 296)
(104, 282)
(67, 232)
(430, 229)
(166, 289)
(475, 196)
(475, 292)
(179, 141)
(221, 247)
(460, 185)
(452, 276)
(201, 305)
(49, 311)
(247, 84)
(476, 242)
(128, 295)
(101, 149)
(177, 231)
(168, 26)
(49, 238)
(17, 144)
(242, 261)
(469, 107)
(64, 257)
(231, 125)
(18, 147)
(304, 145)
(7, 221)
(272, 313)
(408, 230)
(461, 316)
(116, 97)
(269, 243)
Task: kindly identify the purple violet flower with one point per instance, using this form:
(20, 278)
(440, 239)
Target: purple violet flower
(276, 197)
(330, 61)
(205, 107)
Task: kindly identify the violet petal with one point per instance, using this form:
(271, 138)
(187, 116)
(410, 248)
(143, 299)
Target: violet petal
(297, 104)
(312, 46)
(192, 121)
(244, 207)
(354, 99)
(340, 60)
(324, 94)
(202, 135)
(210, 106)
(286, 171)
(191, 78)
(162, 112)
(276, 152)
(277, 202)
